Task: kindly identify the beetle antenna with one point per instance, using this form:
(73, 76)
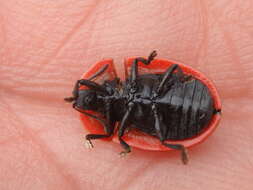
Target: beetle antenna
(74, 93)
(69, 99)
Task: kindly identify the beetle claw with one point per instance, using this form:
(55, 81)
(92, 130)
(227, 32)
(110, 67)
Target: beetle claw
(153, 54)
(184, 156)
(122, 154)
(88, 144)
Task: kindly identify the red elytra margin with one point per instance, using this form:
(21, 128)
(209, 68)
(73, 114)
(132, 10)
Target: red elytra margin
(138, 139)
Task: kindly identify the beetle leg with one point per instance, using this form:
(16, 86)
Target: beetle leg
(108, 126)
(160, 135)
(93, 85)
(184, 152)
(158, 127)
(101, 71)
(166, 76)
(182, 76)
(122, 128)
(134, 67)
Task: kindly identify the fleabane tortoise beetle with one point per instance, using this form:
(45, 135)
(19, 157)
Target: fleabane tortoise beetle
(173, 104)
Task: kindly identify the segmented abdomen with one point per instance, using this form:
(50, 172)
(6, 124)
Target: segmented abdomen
(188, 111)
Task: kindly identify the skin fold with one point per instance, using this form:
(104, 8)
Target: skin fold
(45, 46)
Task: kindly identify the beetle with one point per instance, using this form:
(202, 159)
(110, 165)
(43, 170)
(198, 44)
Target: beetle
(171, 105)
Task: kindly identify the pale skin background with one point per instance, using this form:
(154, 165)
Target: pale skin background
(46, 45)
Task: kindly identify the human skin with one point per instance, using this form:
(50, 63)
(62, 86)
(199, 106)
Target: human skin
(45, 46)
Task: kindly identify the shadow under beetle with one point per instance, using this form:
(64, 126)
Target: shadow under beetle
(169, 106)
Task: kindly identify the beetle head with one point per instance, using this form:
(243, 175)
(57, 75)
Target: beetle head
(86, 100)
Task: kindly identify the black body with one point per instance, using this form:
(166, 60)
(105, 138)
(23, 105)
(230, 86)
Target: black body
(185, 107)
(169, 106)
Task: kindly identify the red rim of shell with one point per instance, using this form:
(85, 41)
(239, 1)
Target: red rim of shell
(138, 139)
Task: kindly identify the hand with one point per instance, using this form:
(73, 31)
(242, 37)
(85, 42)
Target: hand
(47, 45)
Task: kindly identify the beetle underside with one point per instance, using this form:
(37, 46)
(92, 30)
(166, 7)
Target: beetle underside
(102, 98)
